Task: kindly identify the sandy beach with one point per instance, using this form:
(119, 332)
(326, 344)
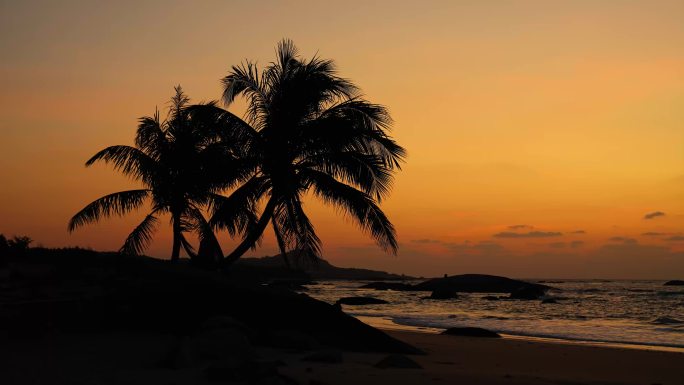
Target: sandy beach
(452, 360)
(125, 358)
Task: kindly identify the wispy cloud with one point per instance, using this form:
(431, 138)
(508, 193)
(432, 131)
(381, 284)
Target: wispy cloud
(654, 214)
(624, 240)
(425, 240)
(531, 234)
(578, 232)
(520, 227)
(676, 238)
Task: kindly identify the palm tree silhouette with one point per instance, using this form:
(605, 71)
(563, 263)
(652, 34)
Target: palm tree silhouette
(305, 129)
(182, 166)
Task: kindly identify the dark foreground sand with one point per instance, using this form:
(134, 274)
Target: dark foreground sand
(129, 358)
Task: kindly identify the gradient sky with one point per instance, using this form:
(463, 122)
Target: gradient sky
(540, 133)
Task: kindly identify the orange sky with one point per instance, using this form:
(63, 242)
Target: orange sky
(563, 116)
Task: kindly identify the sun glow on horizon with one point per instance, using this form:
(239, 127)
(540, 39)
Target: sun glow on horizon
(540, 135)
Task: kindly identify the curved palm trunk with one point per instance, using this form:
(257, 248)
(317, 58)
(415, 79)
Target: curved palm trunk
(251, 238)
(175, 251)
(281, 244)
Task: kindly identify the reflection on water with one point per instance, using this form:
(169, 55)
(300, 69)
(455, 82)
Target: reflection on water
(630, 312)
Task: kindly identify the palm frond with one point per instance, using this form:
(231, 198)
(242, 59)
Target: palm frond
(237, 213)
(365, 171)
(118, 203)
(178, 102)
(245, 80)
(216, 121)
(297, 231)
(150, 137)
(354, 125)
(128, 160)
(359, 205)
(138, 240)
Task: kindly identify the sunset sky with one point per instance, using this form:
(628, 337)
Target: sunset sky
(540, 133)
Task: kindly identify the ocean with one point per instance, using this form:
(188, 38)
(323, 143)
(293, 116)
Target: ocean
(639, 314)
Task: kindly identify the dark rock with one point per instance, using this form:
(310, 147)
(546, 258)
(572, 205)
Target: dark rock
(396, 286)
(239, 369)
(528, 293)
(220, 343)
(675, 282)
(325, 356)
(471, 332)
(361, 301)
(444, 292)
(549, 300)
(180, 356)
(279, 379)
(491, 298)
(227, 322)
(397, 361)
(667, 321)
(477, 283)
(291, 339)
(144, 294)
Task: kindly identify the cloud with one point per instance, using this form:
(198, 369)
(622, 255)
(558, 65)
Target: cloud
(578, 232)
(576, 244)
(653, 234)
(531, 234)
(480, 248)
(637, 251)
(562, 245)
(520, 227)
(425, 240)
(676, 238)
(654, 214)
(625, 240)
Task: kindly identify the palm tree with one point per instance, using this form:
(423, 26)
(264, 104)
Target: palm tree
(305, 129)
(178, 161)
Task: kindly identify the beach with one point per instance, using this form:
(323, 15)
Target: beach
(134, 358)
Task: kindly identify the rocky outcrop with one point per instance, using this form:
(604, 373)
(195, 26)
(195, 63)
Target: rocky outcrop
(444, 292)
(143, 294)
(675, 282)
(397, 361)
(325, 356)
(465, 283)
(471, 332)
(528, 293)
(477, 283)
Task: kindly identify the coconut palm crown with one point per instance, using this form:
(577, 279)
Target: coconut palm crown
(182, 168)
(306, 130)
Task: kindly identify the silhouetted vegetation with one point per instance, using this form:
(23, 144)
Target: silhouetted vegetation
(182, 167)
(306, 129)
(16, 246)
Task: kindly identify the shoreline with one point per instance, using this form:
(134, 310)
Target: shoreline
(386, 324)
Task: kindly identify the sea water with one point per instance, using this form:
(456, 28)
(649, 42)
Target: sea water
(643, 314)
